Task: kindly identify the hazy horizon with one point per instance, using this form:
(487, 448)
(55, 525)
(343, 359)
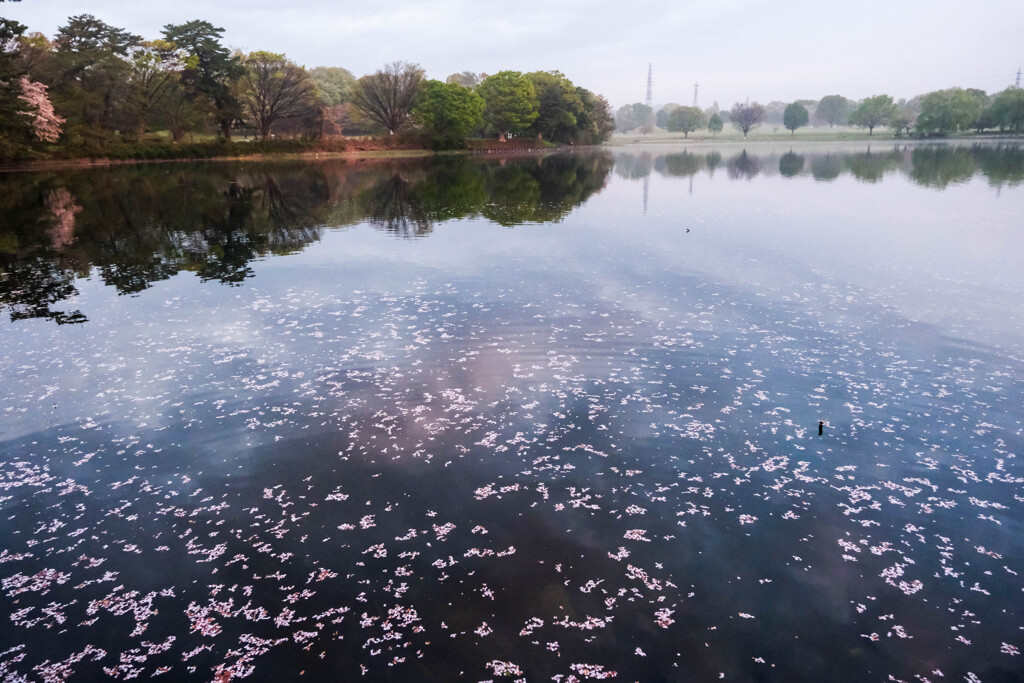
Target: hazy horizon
(735, 50)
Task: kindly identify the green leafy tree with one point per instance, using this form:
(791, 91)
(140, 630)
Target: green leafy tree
(273, 88)
(685, 120)
(633, 116)
(873, 112)
(511, 103)
(795, 116)
(211, 71)
(448, 113)
(181, 111)
(558, 106)
(36, 53)
(1007, 109)
(13, 123)
(906, 115)
(596, 123)
(900, 122)
(746, 117)
(833, 110)
(334, 84)
(389, 95)
(155, 71)
(950, 111)
(715, 124)
(92, 77)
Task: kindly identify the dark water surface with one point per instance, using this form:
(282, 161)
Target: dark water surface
(542, 418)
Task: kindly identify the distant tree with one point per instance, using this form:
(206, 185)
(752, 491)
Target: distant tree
(647, 119)
(795, 117)
(448, 113)
(334, 84)
(466, 79)
(389, 95)
(625, 120)
(1007, 109)
(511, 104)
(661, 118)
(746, 116)
(899, 122)
(833, 110)
(36, 52)
(773, 113)
(949, 111)
(985, 121)
(873, 112)
(809, 105)
(685, 120)
(273, 88)
(211, 70)
(907, 112)
(715, 124)
(558, 106)
(632, 116)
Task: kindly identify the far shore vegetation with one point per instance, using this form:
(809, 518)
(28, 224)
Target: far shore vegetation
(95, 91)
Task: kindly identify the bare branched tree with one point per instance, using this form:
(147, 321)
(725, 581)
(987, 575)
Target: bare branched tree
(746, 116)
(274, 89)
(389, 95)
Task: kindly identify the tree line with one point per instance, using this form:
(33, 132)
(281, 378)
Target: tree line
(942, 112)
(94, 86)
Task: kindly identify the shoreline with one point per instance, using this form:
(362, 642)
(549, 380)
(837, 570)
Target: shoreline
(311, 155)
(360, 155)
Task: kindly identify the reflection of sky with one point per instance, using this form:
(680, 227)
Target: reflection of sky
(560, 386)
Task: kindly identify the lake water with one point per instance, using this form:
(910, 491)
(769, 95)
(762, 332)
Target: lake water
(543, 418)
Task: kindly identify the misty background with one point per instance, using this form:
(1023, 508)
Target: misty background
(734, 49)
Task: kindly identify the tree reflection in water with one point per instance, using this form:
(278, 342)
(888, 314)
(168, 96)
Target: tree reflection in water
(137, 225)
(929, 165)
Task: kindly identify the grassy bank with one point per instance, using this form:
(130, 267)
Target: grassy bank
(219, 149)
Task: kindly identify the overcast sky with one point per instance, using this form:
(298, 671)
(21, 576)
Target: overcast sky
(736, 49)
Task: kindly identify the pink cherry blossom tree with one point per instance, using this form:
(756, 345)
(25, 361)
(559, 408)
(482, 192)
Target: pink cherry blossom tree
(46, 125)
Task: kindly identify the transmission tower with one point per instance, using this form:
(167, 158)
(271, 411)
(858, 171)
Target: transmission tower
(650, 86)
(695, 86)
(1018, 78)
